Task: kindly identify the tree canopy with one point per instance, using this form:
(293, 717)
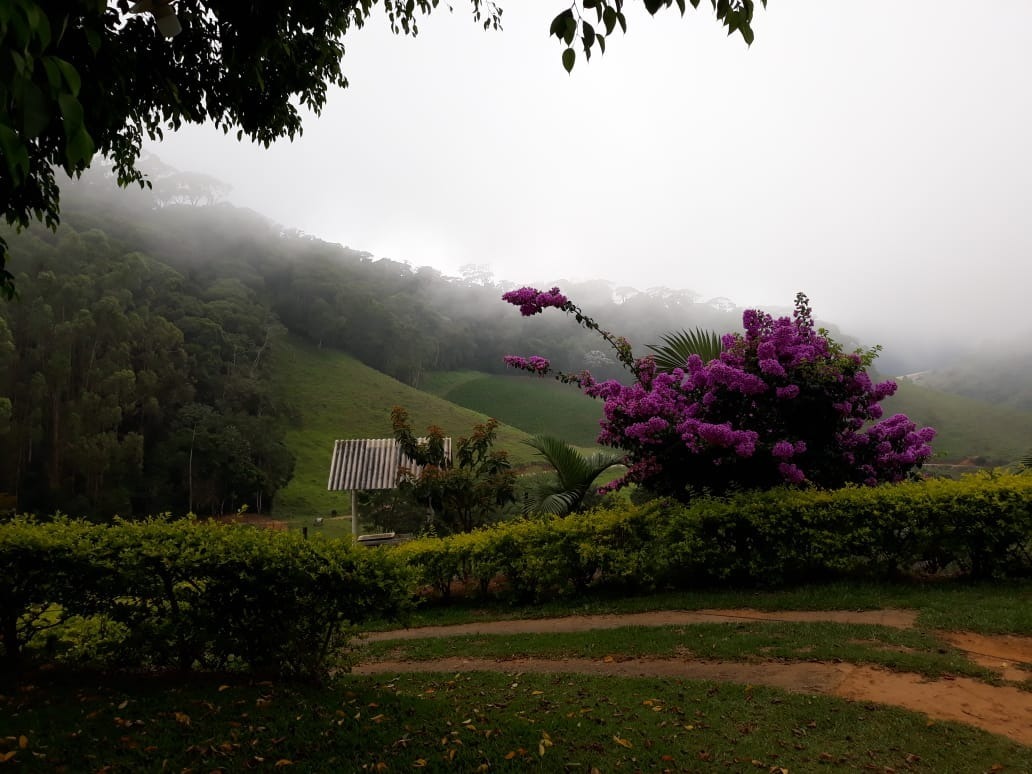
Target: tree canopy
(85, 77)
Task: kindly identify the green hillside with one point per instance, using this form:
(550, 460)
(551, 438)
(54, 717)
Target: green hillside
(339, 397)
(536, 405)
(967, 428)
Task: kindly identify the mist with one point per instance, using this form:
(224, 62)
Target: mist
(873, 155)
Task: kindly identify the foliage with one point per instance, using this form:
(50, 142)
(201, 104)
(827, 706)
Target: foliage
(462, 491)
(571, 24)
(574, 475)
(188, 593)
(978, 526)
(72, 85)
(678, 347)
(783, 403)
(128, 387)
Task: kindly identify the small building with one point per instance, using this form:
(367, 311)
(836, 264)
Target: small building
(371, 463)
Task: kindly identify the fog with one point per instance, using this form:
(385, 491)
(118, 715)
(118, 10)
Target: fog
(874, 155)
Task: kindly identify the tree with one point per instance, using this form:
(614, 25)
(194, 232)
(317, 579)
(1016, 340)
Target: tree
(569, 491)
(781, 404)
(465, 490)
(82, 77)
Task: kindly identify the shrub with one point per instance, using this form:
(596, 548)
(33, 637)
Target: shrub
(781, 404)
(187, 594)
(980, 526)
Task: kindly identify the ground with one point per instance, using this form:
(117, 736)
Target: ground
(1004, 709)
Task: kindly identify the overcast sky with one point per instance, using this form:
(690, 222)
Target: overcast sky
(875, 154)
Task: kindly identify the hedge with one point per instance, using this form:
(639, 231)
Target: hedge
(979, 526)
(188, 594)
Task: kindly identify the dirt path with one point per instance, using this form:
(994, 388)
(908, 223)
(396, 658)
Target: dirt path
(898, 619)
(999, 709)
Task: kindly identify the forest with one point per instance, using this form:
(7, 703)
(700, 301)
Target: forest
(138, 364)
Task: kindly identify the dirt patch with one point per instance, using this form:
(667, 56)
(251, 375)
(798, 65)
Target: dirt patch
(897, 619)
(1000, 710)
(1007, 654)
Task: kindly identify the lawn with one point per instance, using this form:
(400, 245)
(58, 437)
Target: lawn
(469, 723)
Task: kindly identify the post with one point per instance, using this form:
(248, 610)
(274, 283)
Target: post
(304, 533)
(354, 514)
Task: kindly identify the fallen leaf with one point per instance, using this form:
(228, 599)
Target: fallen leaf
(622, 742)
(420, 763)
(182, 718)
(4, 757)
(23, 742)
(283, 762)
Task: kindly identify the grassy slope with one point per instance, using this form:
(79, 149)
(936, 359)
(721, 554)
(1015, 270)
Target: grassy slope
(966, 427)
(533, 404)
(339, 397)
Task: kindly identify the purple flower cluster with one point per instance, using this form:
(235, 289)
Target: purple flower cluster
(782, 404)
(533, 301)
(534, 364)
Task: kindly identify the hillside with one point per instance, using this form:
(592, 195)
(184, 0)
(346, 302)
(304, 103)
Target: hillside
(536, 405)
(1004, 379)
(967, 428)
(339, 397)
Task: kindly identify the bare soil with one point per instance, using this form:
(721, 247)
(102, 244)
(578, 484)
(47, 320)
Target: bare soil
(1004, 710)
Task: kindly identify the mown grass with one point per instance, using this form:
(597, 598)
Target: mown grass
(987, 608)
(339, 397)
(472, 722)
(900, 650)
(537, 406)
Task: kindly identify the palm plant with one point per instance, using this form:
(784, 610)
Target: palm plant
(678, 347)
(574, 475)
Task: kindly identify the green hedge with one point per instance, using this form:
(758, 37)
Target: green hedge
(189, 594)
(979, 526)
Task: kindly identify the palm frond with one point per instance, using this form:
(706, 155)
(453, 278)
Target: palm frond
(574, 472)
(678, 347)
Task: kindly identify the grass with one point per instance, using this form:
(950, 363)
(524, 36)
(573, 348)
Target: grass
(967, 428)
(535, 405)
(339, 397)
(472, 722)
(988, 608)
(901, 650)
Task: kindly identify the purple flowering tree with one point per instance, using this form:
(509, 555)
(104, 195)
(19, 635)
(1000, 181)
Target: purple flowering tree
(781, 404)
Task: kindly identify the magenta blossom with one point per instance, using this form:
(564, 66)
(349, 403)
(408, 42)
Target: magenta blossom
(533, 301)
(783, 404)
(534, 364)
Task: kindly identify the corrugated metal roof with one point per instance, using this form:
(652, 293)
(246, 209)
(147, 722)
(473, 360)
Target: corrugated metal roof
(370, 463)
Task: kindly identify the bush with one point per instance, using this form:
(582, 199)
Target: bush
(979, 526)
(186, 594)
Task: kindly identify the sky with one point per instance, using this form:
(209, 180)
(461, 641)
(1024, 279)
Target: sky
(873, 154)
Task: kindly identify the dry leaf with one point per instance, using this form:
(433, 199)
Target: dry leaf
(622, 742)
